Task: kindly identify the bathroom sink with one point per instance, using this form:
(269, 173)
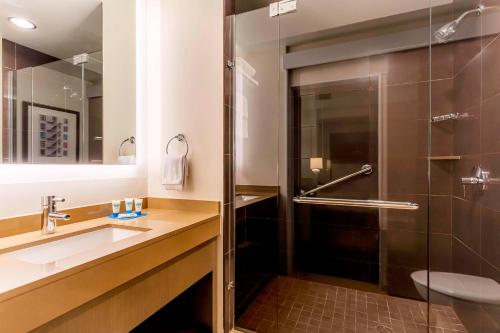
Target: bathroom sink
(247, 197)
(66, 247)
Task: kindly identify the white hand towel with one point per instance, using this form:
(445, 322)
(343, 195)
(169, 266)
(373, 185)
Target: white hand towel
(174, 172)
(126, 159)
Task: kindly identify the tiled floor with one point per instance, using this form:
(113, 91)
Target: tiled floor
(306, 306)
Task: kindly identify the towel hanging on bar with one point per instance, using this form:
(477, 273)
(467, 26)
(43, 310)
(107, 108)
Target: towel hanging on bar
(175, 168)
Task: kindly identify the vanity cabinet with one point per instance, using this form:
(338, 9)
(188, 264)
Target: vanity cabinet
(118, 287)
(126, 307)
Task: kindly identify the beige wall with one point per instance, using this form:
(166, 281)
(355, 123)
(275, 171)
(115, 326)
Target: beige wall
(185, 93)
(119, 75)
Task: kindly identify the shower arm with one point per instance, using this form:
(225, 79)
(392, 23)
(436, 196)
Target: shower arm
(477, 10)
(365, 169)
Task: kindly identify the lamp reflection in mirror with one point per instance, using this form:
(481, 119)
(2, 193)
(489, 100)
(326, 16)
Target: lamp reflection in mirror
(316, 164)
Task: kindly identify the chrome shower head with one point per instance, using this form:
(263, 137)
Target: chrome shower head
(443, 34)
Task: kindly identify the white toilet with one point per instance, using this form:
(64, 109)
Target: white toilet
(444, 287)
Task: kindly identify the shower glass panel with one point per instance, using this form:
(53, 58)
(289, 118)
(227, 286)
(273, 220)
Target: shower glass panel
(93, 77)
(53, 111)
(407, 92)
(464, 168)
(256, 112)
(358, 79)
(56, 113)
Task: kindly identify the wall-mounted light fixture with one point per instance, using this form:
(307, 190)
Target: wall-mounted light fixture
(316, 164)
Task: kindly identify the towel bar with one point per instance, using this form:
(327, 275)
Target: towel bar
(357, 203)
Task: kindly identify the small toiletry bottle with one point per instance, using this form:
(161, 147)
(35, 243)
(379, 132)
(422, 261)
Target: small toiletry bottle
(115, 204)
(138, 206)
(129, 202)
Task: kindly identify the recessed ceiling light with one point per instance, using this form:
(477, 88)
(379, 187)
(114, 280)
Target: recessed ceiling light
(22, 23)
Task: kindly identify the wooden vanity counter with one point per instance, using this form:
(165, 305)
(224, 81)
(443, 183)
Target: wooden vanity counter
(114, 287)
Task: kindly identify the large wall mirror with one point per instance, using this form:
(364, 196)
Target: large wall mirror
(68, 81)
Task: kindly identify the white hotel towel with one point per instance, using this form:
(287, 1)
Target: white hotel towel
(126, 159)
(175, 171)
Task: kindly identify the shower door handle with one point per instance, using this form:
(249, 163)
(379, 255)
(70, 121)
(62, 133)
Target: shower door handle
(357, 203)
(365, 169)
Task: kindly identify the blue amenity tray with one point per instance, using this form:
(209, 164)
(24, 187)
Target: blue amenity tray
(126, 218)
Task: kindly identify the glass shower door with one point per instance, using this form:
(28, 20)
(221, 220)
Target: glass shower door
(464, 217)
(54, 105)
(256, 142)
(93, 138)
(355, 85)
(377, 126)
(378, 108)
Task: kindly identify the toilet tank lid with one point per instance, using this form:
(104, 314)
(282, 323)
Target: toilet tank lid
(467, 287)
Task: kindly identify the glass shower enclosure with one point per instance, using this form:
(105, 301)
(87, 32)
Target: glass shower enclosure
(367, 134)
(69, 89)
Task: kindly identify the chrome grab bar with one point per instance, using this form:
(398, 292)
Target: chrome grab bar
(357, 203)
(366, 169)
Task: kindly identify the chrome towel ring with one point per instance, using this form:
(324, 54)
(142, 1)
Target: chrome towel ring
(131, 140)
(180, 138)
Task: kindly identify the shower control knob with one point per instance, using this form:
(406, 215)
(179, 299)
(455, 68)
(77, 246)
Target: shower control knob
(479, 177)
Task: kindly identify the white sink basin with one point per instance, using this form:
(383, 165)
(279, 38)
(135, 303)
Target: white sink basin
(69, 246)
(247, 197)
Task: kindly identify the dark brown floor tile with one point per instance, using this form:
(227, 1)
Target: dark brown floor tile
(357, 312)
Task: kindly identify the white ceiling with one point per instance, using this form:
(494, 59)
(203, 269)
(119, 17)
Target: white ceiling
(64, 27)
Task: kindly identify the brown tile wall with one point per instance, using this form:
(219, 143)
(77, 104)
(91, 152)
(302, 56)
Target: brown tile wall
(407, 84)
(463, 228)
(410, 79)
(256, 249)
(337, 121)
(475, 213)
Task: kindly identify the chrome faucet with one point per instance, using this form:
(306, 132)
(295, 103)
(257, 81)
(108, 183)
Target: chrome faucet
(50, 215)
